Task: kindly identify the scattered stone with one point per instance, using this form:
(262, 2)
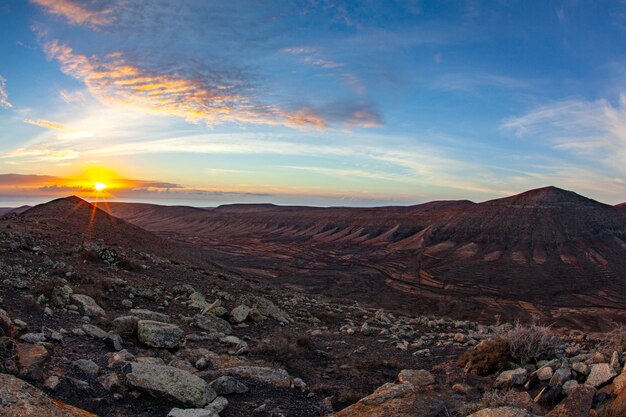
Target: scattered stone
(52, 383)
(240, 313)
(600, 374)
(226, 385)
(416, 377)
(87, 367)
(109, 382)
(509, 378)
(569, 386)
(545, 373)
(88, 305)
(192, 412)
(212, 324)
(61, 296)
(561, 376)
(577, 404)
(273, 376)
(167, 382)
(33, 338)
(159, 335)
(30, 359)
(581, 368)
(144, 314)
(218, 405)
(125, 324)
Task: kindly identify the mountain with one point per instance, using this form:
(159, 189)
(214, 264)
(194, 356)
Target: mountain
(10, 210)
(544, 252)
(622, 205)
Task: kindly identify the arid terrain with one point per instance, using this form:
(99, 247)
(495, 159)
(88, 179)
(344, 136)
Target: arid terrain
(289, 311)
(547, 252)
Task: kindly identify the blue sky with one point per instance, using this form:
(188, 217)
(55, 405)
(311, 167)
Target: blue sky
(311, 101)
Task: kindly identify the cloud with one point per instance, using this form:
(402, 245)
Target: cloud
(42, 154)
(594, 131)
(210, 100)
(75, 13)
(4, 97)
(45, 123)
(72, 97)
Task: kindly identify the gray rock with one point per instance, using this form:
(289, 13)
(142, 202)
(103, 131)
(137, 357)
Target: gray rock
(240, 313)
(159, 335)
(87, 367)
(212, 324)
(167, 382)
(569, 386)
(52, 383)
(126, 324)
(545, 373)
(581, 368)
(226, 385)
(61, 295)
(88, 305)
(600, 374)
(416, 377)
(615, 362)
(272, 376)
(561, 376)
(192, 412)
(218, 405)
(33, 338)
(109, 382)
(510, 378)
(144, 314)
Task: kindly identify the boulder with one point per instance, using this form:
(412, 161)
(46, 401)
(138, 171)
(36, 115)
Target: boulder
(61, 295)
(416, 377)
(87, 305)
(240, 313)
(144, 314)
(226, 385)
(30, 359)
(509, 378)
(600, 374)
(20, 399)
(545, 373)
(159, 335)
(561, 376)
(87, 367)
(272, 376)
(397, 400)
(212, 324)
(169, 383)
(126, 324)
(577, 404)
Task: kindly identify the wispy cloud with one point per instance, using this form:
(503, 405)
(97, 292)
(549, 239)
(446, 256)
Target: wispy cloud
(45, 123)
(76, 13)
(4, 97)
(592, 130)
(210, 100)
(72, 97)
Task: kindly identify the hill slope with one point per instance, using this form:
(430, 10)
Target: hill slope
(540, 252)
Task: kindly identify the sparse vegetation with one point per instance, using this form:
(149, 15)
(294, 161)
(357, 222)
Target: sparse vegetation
(615, 340)
(488, 357)
(530, 342)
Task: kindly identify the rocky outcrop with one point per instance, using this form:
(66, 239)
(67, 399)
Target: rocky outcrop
(169, 383)
(20, 399)
(159, 335)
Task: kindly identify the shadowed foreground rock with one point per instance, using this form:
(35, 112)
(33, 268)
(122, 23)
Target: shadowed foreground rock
(20, 399)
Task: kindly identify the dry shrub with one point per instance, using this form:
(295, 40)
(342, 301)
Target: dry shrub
(488, 357)
(291, 349)
(530, 342)
(615, 340)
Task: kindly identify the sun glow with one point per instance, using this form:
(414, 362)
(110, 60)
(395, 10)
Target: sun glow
(100, 186)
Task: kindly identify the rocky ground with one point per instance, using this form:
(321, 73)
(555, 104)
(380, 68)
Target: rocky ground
(94, 320)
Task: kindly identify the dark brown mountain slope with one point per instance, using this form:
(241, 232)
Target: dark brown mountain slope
(545, 251)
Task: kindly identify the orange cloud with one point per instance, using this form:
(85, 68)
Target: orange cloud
(45, 123)
(305, 117)
(364, 118)
(75, 13)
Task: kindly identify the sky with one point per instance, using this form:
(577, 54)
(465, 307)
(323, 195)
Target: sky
(314, 102)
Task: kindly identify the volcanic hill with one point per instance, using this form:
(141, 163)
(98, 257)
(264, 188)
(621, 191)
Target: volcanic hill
(547, 251)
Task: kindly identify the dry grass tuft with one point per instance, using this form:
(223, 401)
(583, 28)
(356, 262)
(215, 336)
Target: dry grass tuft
(529, 343)
(488, 357)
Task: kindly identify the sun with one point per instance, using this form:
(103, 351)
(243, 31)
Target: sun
(100, 186)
